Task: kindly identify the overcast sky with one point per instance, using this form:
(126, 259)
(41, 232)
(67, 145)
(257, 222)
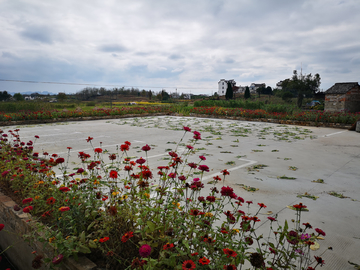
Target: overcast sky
(185, 44)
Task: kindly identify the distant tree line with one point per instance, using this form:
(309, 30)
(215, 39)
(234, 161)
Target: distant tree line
(90, 93)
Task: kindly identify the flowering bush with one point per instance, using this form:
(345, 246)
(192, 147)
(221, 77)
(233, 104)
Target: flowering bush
(126, 214)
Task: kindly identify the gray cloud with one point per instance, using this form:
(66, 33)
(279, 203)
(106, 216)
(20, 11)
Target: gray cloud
(179, 43)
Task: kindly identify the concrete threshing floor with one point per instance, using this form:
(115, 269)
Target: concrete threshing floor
(294, 157)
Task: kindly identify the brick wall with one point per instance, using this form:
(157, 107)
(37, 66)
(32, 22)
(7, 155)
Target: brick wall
(349, 102)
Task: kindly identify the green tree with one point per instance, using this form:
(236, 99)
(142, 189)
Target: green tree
(4, 95)
(164, 95)
(247, 93)
(18, 97)
(229, 91)
(302, 85)
(61, 97)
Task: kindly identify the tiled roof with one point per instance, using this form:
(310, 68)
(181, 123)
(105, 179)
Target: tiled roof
(341, 88)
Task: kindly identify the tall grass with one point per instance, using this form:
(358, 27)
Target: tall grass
(33, 106)
(247, 104)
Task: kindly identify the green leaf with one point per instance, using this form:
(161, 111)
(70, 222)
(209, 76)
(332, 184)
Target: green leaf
(185, 243)
(92, 244)
(151, 225)
(84, 249)
(82, 237)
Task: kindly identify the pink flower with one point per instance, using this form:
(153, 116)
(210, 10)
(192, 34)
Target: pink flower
(145, 251)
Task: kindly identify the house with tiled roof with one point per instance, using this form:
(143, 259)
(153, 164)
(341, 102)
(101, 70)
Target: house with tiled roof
(343, 97)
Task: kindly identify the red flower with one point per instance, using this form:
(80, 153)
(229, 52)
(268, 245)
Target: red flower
(225, 172)
(98, 150)
(28, 200)
(187, 129)
(128, 143)
(2, 227)
(113, 174)
(188, 265)
(217, 178)
(124, 147)
(204, 261)
(51, 200)
(89, 139)
(226, 191)
(319, 231)
(146, 148)
(168, 246)
(203, 168)
(210, 198)
(195, 212)
(140, 161)
(126, 236)
(194, 254)
(202, 157)
(64, 189)
(319, 260)
(307, 225)
(102, 240)
(60, 160)
(27, 209)
(229, 252)
(299, 206)
(64, 208)
(271, 218)
(262, 205)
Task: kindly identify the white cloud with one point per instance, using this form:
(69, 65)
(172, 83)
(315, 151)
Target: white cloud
(178, 43)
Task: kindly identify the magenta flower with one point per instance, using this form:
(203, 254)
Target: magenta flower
(145, 251)
(57, 259)
(319, 231)
(203, 168)
(202, 157)
(226, 191)
(187, 129)
(146, 148)
(140, 161)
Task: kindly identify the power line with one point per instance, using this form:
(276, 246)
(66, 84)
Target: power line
(91, 84)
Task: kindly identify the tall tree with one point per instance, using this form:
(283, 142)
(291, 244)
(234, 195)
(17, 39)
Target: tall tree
(229, 91)
(4, 95)
(247, 92)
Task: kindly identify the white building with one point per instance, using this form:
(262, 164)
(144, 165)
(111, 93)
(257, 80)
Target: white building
(254, 86)
(222, 86)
